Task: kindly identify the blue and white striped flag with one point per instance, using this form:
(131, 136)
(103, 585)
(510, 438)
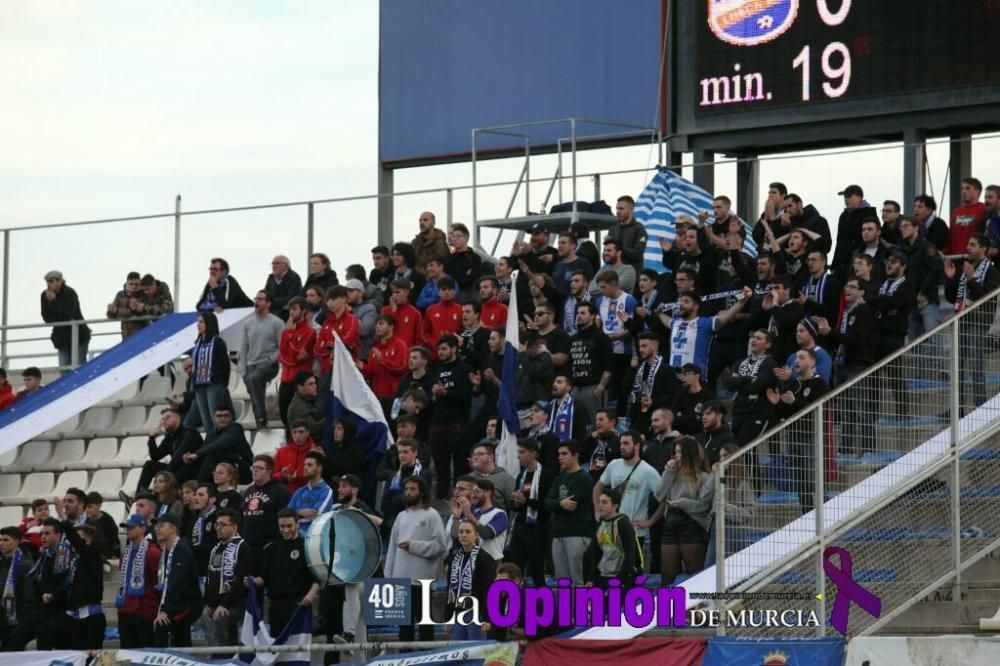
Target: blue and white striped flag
(507, 404)
(255, 634)
(665, 198)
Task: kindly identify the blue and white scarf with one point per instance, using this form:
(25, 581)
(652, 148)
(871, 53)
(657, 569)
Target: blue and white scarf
(63, 558)
(463, 568)
(531, 515)
(561, 419)
(645, 376)
(230, 555)
(890, 287)
(397, 480)
(132, 572)
(202, 359)
(569, 312)
(963, 284)
(163, 573)
(844, 323)
(10, 589)
(815, 288)
(198, 534)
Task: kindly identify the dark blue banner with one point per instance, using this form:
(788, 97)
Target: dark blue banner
(786, 652)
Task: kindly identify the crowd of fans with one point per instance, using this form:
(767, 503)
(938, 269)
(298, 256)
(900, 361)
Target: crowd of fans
(621, 373)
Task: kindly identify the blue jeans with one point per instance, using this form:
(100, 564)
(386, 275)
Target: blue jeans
(463, 632)
(923, 320)
(207, 399)
(66, 356)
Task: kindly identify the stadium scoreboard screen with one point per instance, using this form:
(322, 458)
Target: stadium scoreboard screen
(819, 59)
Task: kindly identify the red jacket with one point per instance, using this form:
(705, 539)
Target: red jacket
(493, 314)
(347, 327)
(301, 338)
(442, 318)
(409, 324)
(293, 456)
(32, 533)
(6, 395)
(386, 374)
(148, 604)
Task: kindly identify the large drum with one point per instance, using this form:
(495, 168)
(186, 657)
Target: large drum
(343, 547)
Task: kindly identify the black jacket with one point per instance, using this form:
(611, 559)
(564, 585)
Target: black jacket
(475, 346)
(230, 445)
(849, 235)
(938, 234)
(858, 339)
(88, 582)
(811, 220)
(227, 295)
(975, 290)
(713, 442)
(924, 268)
(519, 515)
(632, 238)
(534, 378)
(781, 321)
(806, 392)
(289, 287)
(704, 264)
(26, 601)
(892, 312)
(236, 596)
(326, 280)
(175, 444)
(64, 307)
(687, 410)
(453, 407)
(181, 589)
(484, 573)
(665, 386)
(750, 384)
(464, 267)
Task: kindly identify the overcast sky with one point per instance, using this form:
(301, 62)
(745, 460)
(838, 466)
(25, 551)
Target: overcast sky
(112, 108)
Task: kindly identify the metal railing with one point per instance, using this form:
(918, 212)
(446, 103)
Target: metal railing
(899, 466)
(75, 348)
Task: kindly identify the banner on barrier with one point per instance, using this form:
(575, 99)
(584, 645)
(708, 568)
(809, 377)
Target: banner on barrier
(45, 658)
(637, 652)
(788, 652)
(923, 650)
(161, 657)
(487, 653)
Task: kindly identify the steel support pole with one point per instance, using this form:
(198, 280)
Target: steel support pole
(956, 488)
(177, 248)
(914, 161)
(960, 162)
(572, 139)
(720, 544)
(527, 176)
(310, 230)
(477, 235)
(597, 187)
(6, 296)
(820, 470)
(747, 186)
(449, 206)
(704, 170)
(385, 206)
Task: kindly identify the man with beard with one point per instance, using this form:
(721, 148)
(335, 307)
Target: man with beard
(284, 572)
(490, 521)
(690, 333)
(612, 256)
(655, 382)
(799, 216)
(977, 278)
(630, 234)
(493, 313)
(203, 537)
(750, 379)
(484, 466)
(229, 566)
(715, 433)
(473, 338)
(590, 361)
(565, 420)
(578, 293)
(415, 548)
(529, 520)
(410, 465)
(634, 478)
(779, 316)
(892, 301)
(258, 360)
(600, 447)
(689, 400)
(430, 242)
(262, 500)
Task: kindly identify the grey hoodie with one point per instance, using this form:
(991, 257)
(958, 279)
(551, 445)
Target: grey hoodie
(428, 544)
(503, 486)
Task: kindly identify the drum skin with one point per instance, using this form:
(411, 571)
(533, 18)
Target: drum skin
(357, 548)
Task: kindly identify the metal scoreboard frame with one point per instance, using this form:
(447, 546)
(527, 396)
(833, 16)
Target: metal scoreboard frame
(723, 78)
(756, 47)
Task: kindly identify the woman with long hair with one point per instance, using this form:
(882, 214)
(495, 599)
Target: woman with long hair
(315, 305)
(345, 456)
(210, 370)
(226, 476)
(167, 498)
(685, 496)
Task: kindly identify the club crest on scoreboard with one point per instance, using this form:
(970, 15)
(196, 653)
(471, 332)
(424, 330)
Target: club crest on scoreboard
(751, 22)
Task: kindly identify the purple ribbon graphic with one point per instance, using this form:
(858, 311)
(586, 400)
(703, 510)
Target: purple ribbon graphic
(848, 590)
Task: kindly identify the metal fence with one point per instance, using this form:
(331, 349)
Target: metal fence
(899, 466)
